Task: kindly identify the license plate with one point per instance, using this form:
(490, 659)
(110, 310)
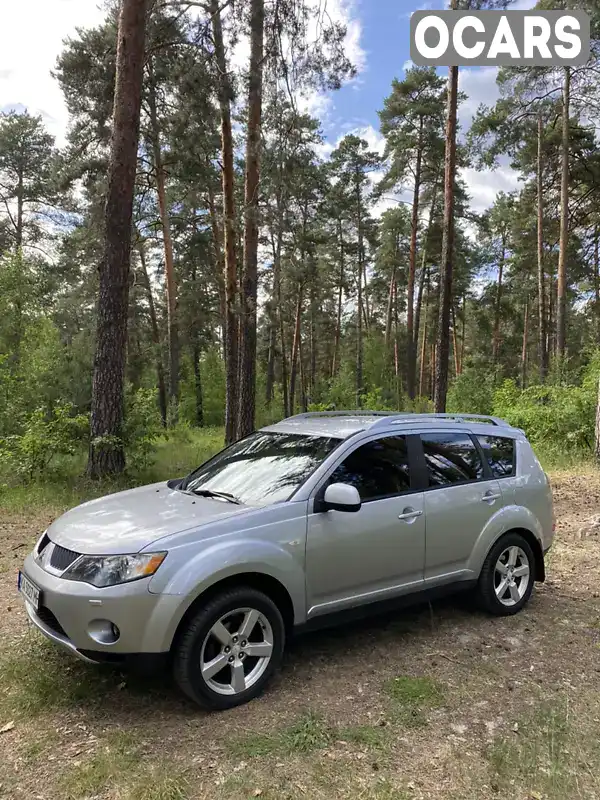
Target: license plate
(29, 590)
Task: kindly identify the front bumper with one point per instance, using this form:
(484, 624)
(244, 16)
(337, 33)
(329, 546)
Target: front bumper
(68, 609)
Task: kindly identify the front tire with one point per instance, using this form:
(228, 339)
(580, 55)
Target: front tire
(508, 576)
(230, 649)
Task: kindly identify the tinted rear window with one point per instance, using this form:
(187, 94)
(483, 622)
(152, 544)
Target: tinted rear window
(500, 454)
(451, 458)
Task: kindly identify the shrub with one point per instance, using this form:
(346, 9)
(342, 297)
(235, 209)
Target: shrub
(45, 435)
(472, 392)
(557, 418)
(143, 428)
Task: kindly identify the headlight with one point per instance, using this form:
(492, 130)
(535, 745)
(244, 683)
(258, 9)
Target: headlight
(102, 571)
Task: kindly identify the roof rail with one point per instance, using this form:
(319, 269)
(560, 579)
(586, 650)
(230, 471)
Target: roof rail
(407, 419)
(317, 414)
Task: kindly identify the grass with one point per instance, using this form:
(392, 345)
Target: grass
(308, 733)
(67, 486)
(540, 755)
(160, 783)
(118, 764)
(116, 757)
(30, 685)
(411, 697)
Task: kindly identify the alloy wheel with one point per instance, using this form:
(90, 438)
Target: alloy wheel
(237, 651)
(512, 576)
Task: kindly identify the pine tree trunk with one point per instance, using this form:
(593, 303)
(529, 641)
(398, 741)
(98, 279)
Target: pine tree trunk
(498, 310)
(597, 280)
(196, 354)
(217, 239)
(423, 364)
(284, 368)
(19, 215)
(270, 377)
(171, 283)
(160, 371)
(338, 322)
(296, 350)
(412, 270)
(367, 312)
(561, 311)
(597, 437)
(249, 295)
(463, 335)
(390, 311)
(525, 344)
(107, 454)
(312, 378)
(446, 265)
(455, 344)
(359, 324)
(424, 270)
(398, 373)
(274, 311)
(231, 279)
(542, 319)
(303, 395)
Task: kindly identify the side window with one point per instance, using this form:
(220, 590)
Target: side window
(377, 469)
(500, 454)
(451, 458)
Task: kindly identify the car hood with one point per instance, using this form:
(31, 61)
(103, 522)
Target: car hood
(129, 521)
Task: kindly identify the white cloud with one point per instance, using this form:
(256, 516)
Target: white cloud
(479, 84)
(31, 37)
(484, 185)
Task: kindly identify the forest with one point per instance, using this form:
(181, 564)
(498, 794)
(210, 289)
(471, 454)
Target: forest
(197, 256)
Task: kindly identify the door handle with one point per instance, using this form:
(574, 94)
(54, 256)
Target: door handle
(490, 497)
(410, 514)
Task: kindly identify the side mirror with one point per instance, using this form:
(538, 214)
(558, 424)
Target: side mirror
(341, 497)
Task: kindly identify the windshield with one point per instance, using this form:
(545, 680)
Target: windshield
(264, 468)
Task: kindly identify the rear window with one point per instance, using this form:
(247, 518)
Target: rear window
(451, 458)
(500, 454)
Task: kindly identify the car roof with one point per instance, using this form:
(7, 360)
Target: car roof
(344, 424)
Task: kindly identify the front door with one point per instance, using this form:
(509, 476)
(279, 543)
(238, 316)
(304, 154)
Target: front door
(460, 499)
(379, 551)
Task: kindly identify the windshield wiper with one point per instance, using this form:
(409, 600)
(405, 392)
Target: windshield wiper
(221, 495)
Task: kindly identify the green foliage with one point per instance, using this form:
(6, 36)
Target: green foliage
(213, 384)
(555, 418)
(45, 436)
(375, 401)
(143, 428)
(473, 391)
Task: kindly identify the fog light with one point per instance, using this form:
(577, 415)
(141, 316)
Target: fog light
(104, 631)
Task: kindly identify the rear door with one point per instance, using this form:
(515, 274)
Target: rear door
(461, 496)
(379, 551)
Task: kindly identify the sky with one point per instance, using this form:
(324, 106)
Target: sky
(377, 42)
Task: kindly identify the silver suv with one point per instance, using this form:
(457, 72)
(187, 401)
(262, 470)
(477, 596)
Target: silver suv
(291, 527)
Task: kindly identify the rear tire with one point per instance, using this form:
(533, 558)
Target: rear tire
(507, 577)
(230, 649)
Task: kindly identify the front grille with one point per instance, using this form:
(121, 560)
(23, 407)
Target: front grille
(61, 558)
(48, 618)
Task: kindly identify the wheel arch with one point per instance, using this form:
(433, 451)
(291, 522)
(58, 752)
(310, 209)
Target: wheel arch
(534, 543)
(261, 582)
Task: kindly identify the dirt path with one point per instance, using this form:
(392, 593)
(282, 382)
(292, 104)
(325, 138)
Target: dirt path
(432, 703)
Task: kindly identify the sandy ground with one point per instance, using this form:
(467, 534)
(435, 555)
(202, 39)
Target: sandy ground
(509, 706)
